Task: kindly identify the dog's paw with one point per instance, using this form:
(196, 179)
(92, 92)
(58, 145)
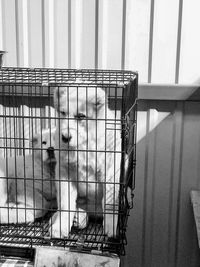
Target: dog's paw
(59, 226)
(80, 219)
(110, 225)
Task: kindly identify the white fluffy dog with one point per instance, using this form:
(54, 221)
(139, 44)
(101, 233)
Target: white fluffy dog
(88, 157)
(27, 182)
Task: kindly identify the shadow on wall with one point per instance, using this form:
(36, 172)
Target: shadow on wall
(161, 229)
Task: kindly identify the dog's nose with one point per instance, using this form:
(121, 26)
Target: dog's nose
(50, 152)
(66, 139)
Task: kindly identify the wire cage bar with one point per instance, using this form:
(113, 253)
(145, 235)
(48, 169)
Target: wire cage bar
(68, 155)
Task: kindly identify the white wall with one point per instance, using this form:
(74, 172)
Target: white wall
(157, 38)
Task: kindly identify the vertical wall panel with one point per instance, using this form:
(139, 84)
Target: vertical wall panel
(135, 250)
(178, 45)
(161, 228)
(9, 31)
(150, 184)
(21, 8)
(76, 32)
(1, 26)
(88, 35)
(35, 33)
(123, 50)
(51, 29)
(189, 177)
(48, 37)
(161, 190)
(137, 37)
(175, 175)
(110, 34)
(61, 34)
(190, 42)
(164, 41)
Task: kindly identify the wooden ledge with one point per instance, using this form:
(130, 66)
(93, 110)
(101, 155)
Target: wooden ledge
(189, 92)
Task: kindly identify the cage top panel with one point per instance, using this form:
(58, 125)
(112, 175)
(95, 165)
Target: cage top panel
(48, 77)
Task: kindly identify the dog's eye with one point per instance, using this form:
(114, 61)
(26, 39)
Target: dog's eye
(63, 113)
(80, 116)
(44, 142)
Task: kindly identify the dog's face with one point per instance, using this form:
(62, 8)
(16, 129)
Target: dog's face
(45, 142)
(82, 113)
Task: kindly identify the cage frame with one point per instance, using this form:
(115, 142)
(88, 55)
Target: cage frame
(44, 78)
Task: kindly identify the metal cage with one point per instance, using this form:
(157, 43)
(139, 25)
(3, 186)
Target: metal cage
(27, 101)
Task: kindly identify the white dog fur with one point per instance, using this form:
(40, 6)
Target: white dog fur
(87, 125)
(29, 189)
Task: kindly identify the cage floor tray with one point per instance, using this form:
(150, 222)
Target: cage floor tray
(36, 234)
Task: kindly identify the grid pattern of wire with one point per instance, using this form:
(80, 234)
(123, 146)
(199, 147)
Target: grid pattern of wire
(26, 105)
(44, 77)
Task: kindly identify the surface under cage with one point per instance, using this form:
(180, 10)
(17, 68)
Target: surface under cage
(68, 152)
